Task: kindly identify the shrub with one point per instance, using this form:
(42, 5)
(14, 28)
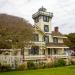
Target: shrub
(72, 62)
(49, 65)
(22, 67)
(59, 62)
(41, 65)
(4, 68)
(31, 65)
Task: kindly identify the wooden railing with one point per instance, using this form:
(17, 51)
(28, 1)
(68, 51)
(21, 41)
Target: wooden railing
(39, 43)
(11, 59)
(35, 57)
(72, 57)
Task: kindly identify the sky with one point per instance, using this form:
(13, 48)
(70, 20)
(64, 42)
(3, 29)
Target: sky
(63, 11)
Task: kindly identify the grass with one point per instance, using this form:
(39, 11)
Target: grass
(69, 70)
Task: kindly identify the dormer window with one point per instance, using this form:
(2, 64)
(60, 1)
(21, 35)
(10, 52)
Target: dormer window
(45, 18)
(46, 28)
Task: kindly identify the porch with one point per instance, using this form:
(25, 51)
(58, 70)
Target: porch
(56, 51)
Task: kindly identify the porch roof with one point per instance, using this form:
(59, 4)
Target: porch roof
(56, 45)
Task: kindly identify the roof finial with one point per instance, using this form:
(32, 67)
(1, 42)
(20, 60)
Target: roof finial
(42, 6)
(42, 9)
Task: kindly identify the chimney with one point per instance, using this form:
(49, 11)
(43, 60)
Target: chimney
(56, 29)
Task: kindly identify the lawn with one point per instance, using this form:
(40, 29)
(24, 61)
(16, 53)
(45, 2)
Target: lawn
(69, 70)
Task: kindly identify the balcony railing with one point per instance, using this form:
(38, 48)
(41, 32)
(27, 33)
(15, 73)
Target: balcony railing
(35, 57)
(59, 56)
(43, 57)
(39, 43)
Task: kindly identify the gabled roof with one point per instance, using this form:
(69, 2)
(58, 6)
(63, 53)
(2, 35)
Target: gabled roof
(58, 34)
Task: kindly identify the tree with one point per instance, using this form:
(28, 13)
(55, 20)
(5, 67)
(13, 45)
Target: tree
(71, 40)
(15, 32)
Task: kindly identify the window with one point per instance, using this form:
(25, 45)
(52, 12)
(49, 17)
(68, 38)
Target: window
(46, 28)
(55, 51)
(34, 50)
(55, 40)
(22, 51)
(49, 51)
(46, 18)
(36, 19)
(46, 39)
(36, 37)
(66, 51)
(43, 52)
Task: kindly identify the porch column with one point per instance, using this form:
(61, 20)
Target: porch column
(52, 51)
(26, 51)
(46, 51)
(40, 50)
(62, 51)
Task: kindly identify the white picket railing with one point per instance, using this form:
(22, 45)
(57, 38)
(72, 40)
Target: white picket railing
(9, 59)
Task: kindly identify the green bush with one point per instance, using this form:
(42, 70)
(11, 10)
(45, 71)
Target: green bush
(22, 67)
(31, 65)
(41, 65)
(4, 68)
(49, 65)
(72, 62)
(59, 63)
